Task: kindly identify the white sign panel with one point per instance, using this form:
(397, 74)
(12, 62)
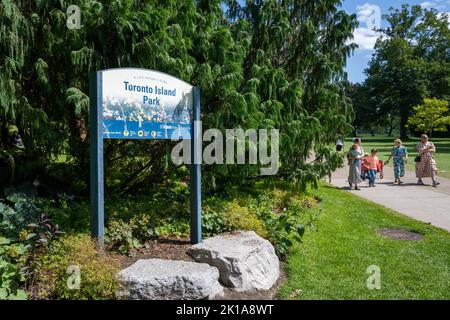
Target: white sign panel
(145, 104)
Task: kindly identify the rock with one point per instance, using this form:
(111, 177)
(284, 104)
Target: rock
(245, 261)
(158, 279)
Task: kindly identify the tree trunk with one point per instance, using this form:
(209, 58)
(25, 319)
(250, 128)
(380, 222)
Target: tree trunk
(403, 123)
(391, 126)
(391, 129)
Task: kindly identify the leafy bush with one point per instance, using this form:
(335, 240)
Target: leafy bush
(213, 222)
(42, 232)
(19, 214)
(279, 215)
(24, 231)
(243, 218)
(16, 212)
(119, 235)
(133, 220)
(97, 270)
(11, 278)
(290, 223)
(69, 212)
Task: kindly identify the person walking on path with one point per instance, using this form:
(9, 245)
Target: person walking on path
(354, 157)
(399, 154)
(425, 164)
(372, 161)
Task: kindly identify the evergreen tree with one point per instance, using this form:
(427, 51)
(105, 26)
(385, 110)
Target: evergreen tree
(264, 64)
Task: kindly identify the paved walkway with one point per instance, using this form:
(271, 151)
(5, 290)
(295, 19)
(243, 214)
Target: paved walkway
(423, 203)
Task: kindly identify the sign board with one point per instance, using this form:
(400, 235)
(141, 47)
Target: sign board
(145, 104)
(131, 103)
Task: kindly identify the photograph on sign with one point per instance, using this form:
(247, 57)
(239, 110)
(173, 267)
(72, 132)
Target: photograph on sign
(145, 104)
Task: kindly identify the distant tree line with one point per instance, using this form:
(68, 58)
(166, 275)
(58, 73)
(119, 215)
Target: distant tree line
(411, 63)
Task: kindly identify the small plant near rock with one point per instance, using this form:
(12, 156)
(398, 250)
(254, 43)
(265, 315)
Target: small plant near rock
(54, 271)
(119, 235)
(282, 228)
(42, 232)
(244, 218)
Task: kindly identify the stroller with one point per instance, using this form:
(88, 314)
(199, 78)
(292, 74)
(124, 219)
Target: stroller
(365, 169)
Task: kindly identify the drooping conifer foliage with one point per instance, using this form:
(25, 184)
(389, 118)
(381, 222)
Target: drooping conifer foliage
(260, 64)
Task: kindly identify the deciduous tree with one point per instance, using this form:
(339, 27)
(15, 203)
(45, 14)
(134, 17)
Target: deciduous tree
(431, 116)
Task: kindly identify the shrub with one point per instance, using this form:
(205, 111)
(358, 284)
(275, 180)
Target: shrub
(69, 212)
(119, 235)
(243, 218)
(289, 223)
(53, 274)
(11, 278)
(213, 222)
(16, 212)
(279, 215)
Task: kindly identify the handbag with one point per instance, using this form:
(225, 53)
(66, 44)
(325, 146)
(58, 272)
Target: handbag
(417, 159)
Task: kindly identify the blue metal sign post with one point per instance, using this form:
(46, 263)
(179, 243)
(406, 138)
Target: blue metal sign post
(96, 157)
(196, 174)
(135, 103)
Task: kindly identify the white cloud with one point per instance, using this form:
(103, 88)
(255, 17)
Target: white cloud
(365, 38)
(427, 4)
(437, 4)
(369, 17)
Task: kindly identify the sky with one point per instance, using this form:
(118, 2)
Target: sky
(367, 12)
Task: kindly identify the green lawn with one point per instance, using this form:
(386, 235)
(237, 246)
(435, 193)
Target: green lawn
(384, 145)
(332, 261)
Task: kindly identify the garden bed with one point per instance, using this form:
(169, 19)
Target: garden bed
(175, 249)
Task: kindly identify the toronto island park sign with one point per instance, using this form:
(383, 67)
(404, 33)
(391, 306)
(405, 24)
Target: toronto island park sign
(131, 103)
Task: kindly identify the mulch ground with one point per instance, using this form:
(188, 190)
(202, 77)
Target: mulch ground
(399, 234)
(176, 248)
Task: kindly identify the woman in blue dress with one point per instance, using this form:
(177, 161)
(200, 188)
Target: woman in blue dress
(399, 154)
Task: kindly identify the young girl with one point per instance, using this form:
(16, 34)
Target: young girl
(372, 161)
(400, 155)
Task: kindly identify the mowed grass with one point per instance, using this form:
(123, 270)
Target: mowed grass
(332, 260)
(384, 146)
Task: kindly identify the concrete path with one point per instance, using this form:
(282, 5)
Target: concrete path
(423, 203)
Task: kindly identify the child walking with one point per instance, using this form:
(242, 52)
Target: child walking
(399, 154)
(372, 162)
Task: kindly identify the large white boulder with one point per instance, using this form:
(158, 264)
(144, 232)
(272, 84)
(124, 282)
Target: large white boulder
(156, 279)
(245, 261)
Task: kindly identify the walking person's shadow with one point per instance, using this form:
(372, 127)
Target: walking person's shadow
(404, 184)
